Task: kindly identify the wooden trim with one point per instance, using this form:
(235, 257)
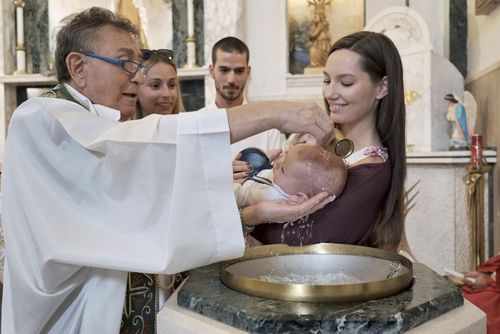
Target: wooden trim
(484, 7)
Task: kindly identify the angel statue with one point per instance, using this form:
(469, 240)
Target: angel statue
(462, 118)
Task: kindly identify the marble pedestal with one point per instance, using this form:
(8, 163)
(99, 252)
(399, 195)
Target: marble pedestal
(429, 298)
(173, 319)
(439, 215)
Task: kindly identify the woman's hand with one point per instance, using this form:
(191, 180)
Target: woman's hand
(480, 280)
(241, 169)
(281, 211)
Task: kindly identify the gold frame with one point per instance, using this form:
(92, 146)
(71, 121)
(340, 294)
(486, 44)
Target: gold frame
(475, 202)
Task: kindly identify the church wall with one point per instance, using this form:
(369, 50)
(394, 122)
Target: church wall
(267, 42)
(435, 14)
(485, 88)
(483, 41)
(484, 83)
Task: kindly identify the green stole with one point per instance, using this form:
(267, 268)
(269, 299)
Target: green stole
(141, 304)
(141, 298)
(60, 92)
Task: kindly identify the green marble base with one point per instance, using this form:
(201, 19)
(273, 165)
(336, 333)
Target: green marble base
(429, 297)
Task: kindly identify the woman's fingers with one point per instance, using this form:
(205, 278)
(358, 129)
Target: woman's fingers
(239, 177)
(313, 204)
(322, 200)
(241, 170)
(282, 211)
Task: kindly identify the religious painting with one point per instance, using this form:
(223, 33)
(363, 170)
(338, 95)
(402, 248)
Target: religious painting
(314, 25)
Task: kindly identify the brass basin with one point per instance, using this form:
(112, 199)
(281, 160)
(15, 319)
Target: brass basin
(346, 273)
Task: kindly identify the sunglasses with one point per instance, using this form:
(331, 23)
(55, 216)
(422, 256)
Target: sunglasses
(146, 53)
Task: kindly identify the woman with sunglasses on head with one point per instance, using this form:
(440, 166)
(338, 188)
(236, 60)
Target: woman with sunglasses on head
(160, 93)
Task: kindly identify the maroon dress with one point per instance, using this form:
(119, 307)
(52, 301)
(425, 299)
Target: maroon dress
(348, 220)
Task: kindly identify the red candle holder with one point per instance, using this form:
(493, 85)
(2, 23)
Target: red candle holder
(476, 150)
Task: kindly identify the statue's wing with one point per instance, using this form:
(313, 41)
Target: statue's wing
(470, 106)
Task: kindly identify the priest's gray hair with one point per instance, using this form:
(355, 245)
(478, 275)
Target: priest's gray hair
(80, 32)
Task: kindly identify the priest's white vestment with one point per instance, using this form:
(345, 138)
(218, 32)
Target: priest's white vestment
(87, 199)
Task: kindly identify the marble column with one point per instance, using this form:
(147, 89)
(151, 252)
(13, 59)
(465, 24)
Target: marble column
(37, 36)
(192, 89)
(180, 31)
(458, 35)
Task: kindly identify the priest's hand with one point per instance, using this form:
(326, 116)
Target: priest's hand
(306, 117)
(290, 117)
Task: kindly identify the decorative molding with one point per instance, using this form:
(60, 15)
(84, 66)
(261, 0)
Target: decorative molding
(485, 71)
(192, 73)
(447, 157)
(39, 79)
(306, 80)
(27, 79)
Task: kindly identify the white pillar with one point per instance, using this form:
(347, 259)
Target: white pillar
(191, 39)
(20, 48)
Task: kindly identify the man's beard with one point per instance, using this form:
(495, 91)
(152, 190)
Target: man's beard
(230, 96)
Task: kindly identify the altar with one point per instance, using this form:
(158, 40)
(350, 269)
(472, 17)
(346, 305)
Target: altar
(439, 213)
(203, 305)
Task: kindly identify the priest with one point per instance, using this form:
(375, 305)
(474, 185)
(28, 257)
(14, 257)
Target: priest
(88, 199)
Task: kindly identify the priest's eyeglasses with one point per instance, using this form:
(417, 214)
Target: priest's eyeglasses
(128, 66)
(146, 53)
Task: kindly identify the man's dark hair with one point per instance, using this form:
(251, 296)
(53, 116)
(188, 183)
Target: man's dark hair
(79, 34)
(230, 44)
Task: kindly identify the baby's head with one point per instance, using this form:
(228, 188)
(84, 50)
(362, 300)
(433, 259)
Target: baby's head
(309, 170)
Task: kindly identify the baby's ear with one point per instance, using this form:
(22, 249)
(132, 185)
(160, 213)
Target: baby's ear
(299, 197)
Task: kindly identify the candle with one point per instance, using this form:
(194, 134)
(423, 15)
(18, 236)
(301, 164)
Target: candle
(20, 25)
(190, 40)
(190, 17)
(20, 49)
(476, 150)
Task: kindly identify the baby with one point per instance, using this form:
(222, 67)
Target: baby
(296, 175)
